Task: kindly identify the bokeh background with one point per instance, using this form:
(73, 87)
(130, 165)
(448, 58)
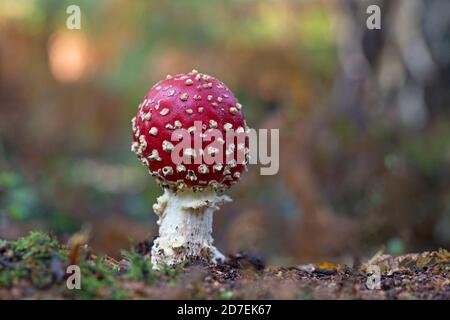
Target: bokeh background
(363, 114)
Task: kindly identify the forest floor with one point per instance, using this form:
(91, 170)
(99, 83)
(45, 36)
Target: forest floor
(34, 267)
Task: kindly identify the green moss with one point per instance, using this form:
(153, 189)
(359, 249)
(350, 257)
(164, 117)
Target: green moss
(140, 268)
(32, 258)
(7, 276)
(171, 273)
(225, 295)
(39, 259)
(98, 280)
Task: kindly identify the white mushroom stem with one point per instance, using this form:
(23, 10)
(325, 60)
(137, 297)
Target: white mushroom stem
(185, 227)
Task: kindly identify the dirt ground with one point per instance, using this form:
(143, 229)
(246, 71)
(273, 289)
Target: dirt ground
(245, 277)
(37, 272)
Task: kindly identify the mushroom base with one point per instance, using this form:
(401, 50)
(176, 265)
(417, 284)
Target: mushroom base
(185, 227)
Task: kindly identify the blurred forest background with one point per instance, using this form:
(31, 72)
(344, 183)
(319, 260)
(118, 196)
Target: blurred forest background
(364, 118)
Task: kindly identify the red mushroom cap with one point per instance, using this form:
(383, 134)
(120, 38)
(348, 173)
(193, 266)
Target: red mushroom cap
(176, 103)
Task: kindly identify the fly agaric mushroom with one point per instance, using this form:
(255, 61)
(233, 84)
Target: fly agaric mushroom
(200, 105)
